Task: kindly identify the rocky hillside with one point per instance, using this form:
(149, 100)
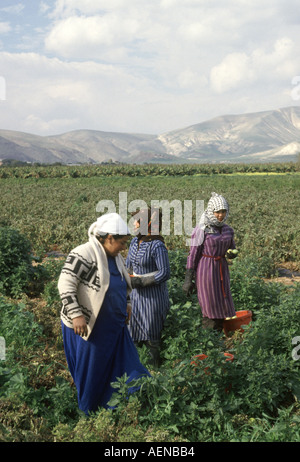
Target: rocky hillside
(256, 137)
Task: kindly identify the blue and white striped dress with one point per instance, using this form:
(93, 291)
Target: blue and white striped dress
(150, 304)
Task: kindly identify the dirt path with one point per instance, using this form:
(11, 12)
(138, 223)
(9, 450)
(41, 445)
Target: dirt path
(285, 276)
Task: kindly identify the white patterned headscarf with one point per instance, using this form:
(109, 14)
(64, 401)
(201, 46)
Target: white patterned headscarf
(109, 223)
(208, 219)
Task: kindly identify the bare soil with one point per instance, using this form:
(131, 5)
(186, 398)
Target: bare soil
(287, 274)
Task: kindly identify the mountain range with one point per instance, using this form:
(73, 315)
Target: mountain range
(255, 137)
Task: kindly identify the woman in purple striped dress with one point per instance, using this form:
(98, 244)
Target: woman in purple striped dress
(148, 262)
(207, 265)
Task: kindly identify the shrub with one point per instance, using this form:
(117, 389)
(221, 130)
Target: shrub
(50, 294)
(103, 426)
(248, 289)
(16, 269)
(18, 326)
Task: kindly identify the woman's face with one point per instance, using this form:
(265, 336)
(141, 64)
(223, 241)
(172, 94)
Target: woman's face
(113, 246)
(220, 214)
(136, 225)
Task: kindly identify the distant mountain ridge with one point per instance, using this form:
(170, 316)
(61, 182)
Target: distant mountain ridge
(255, 137)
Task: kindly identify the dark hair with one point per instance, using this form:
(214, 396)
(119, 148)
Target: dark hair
(103, 237)
(152, 216)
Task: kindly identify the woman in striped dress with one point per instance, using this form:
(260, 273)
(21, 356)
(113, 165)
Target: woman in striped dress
(207, 265)
(148, 262)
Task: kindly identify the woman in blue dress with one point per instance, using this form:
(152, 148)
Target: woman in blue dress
(94, 287)
(148, 262)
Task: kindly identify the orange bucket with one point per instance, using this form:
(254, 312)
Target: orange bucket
(242, 318)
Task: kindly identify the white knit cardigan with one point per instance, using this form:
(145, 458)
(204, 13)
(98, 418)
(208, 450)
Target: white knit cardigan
(83, 283)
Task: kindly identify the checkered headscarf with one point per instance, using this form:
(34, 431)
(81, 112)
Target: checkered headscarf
(208, 219)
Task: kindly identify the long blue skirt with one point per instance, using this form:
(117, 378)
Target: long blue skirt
(109, 351)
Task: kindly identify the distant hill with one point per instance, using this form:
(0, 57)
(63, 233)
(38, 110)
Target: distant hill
(256, 137)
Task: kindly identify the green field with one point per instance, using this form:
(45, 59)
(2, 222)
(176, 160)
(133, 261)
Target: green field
(56, 212)
(253, 398)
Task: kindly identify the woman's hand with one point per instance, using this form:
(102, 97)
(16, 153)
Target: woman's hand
(80, 326)
(189, 284)
(128, 313)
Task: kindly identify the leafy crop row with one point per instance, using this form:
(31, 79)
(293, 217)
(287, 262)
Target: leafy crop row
(252, 398)
(55, 213)
(128, 170)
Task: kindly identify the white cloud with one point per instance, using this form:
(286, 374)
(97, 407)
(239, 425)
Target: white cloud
(66, 8)
(242, 70)
(13, 9)
(79, 95)
(145, 66)
(189, 79)
(4, 27)
(85, 37)
(232, 71)
(43, 7)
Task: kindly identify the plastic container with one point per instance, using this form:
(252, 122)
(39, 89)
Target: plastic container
(243, 317)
